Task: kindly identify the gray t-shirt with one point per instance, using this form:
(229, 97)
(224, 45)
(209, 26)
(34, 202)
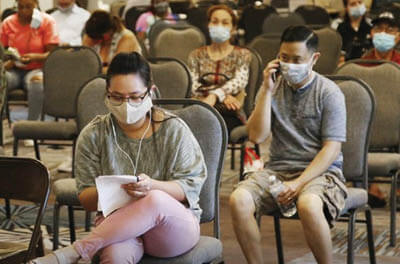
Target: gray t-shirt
(171, 154)
(302, 120)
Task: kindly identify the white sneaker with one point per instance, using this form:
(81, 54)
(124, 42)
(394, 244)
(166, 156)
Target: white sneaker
(28, 142)
(65, 166)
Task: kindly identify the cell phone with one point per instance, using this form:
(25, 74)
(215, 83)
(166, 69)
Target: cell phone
(276, 74)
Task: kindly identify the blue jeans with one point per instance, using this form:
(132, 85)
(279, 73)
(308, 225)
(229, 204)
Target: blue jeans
(22, 79)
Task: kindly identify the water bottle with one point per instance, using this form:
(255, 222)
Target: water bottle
(275, 187)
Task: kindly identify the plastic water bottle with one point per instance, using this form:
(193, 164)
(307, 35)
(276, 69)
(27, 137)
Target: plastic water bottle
(275, 187)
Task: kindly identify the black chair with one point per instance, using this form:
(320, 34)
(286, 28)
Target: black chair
(275, 24)
(197, 16)
(360, 106)
(314, 16)
(252, 20)
(28, 180)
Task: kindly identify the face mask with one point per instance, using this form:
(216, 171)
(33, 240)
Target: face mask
(127, 113)
(219, 34)
(161, 8)
(65, 9)
(383, 41)
(36, 19)
(358, 11)
(295, 73)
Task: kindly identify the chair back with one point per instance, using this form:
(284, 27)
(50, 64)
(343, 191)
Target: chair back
(64, 72)
(330, 45)
(314, 16)
(212, 139)
(253, 83)
(26, 179)
(176, 41)
(267, 46)
(275, 24)
(132, 15)
(384, 79)
(360, 110)
(197, 16)
(91, 101)
(171, 77)
(252, 20)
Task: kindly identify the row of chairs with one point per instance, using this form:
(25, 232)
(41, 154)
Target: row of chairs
(213, 140)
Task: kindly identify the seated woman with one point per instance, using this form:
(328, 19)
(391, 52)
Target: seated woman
(220, 71)
(108, 36)
(159, 10)
(32, 34)
(355, 30)
(137, 139)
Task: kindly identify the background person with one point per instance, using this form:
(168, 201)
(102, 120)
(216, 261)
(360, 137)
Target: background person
(220, 71)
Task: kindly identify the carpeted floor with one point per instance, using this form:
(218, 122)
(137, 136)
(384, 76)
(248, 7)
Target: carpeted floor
(296, 250)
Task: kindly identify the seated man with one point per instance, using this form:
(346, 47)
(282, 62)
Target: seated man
(70, 20)
(385, 36)
(305, 112)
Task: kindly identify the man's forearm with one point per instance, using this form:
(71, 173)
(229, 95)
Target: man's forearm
(259, 123)
(325, 157)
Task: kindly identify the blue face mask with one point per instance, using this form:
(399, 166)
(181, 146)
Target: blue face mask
(357, 11)
(219, 34)
(383, 41)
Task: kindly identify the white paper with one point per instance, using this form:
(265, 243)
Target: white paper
(111, 195)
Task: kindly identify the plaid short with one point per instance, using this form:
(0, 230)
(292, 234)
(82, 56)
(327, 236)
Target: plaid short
(328, 187)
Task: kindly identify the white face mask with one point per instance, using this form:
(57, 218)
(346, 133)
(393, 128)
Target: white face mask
(129, 114)
(295, 73)
(357, 11)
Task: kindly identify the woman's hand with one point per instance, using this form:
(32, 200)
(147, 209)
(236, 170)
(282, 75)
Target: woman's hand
(29, 57)
(211, 99)
(290, 194)
(139, 189)
(231, 103)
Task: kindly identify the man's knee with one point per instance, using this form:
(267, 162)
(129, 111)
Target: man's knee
(125, 253)
(309, 206)
(241, 203)
(36, 79)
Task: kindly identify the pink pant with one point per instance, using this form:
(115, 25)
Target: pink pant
(157, 224)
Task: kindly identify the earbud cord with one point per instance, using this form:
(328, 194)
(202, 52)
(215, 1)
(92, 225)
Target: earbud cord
(140, 145)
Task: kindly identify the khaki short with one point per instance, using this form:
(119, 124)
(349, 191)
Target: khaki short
(328, 187)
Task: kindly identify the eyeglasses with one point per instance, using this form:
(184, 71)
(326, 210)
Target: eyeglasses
(133, 100)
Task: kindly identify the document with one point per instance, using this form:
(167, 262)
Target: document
(111, 195)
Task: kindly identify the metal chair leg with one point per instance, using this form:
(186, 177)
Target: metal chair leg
(242, 152)
(56, 225)
(71, 224)
(8, 208)
(36, 146)
(15, 147)
(393, 208)
(350, 237)
(233, 157)
(278, 239)
(371, 245)
(87, 221)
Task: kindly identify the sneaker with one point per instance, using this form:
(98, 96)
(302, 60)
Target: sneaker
(28, 143)
(375, 201)
(65, 166)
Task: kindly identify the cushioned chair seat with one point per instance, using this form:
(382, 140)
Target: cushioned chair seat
(45, 130)
(11, 248)
(66, 192)
(206, 250)
(17, 95)
(238, 134)
(382, 164)
(357, 198)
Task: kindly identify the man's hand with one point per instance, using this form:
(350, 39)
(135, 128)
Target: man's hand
(139, 189)
(289, 195)
(271, 69)
(28, 58)
(231, 103)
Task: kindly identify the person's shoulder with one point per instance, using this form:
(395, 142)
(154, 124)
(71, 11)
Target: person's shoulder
(326, 85)
(47, 18)
(81, 11)
(198, 52)
(93, 127)
(174, 126)
(13, 19)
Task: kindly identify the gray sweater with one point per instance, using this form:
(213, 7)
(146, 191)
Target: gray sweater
(172, 153)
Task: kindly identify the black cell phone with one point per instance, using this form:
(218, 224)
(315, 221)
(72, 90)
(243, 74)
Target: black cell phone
(276, 74)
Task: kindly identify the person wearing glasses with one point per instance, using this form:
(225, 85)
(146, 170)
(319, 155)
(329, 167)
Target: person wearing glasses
(220, 71)
(135, 138)
(385, 36)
